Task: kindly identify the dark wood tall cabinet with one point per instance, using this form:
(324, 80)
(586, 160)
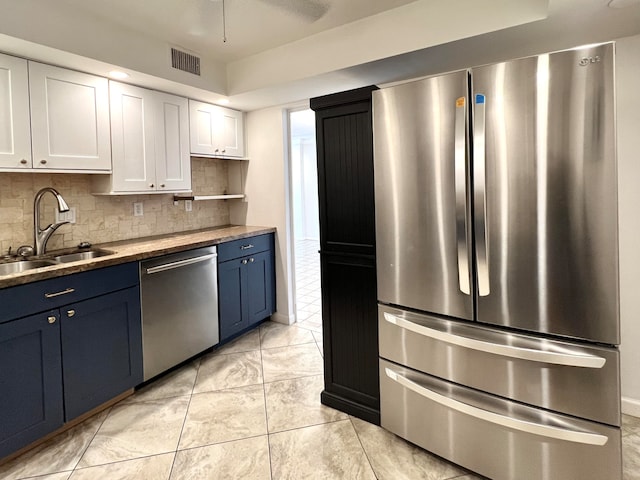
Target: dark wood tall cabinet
(344, 142)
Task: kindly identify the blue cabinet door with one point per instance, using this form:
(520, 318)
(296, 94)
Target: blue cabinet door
(232, 288)
(102, 349)
(30, 380)
(260, 286)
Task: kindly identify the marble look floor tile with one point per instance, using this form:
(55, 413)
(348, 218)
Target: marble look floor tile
(329, 451)
(296, 403)
(137, 430)
(312, 322)
(392, 458)
(59, 454)
(248, 342)
(224, 415)
(274, 335)
(631, 457)
(320, 348)
(157, 467)
(218, 372)
(53, 476)
(630, 425)
(246, 459)
(174, 384)
(291, 362)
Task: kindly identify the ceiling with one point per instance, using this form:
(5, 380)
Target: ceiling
(252, 26)
(283, 51)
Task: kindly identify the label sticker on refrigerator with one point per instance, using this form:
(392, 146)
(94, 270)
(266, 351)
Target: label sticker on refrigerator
(479, 98)
(460, 102)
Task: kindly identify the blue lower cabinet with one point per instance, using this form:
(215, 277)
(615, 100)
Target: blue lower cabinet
(102, 350)
(246, 284)
(30, 380)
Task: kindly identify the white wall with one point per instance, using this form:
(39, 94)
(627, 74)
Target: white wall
(628, 123)
(267, 192)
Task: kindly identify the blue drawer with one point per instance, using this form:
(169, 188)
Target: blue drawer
(23, 300)
(244, 247)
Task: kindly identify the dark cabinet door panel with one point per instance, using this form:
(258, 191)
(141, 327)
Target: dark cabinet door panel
(102, 345)
(260, 286)
(30, 380)
(232, 282)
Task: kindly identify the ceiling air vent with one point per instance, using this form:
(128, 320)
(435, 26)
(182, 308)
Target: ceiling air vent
(185, 61)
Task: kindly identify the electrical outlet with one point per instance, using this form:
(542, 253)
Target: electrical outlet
(69, 216)
(138, 211)
(188, 205)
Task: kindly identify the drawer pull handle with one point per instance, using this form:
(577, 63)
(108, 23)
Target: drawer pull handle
(51, 319)
(569, 358)
(71, 313)
(530, 427)
(246, 247)
(57, 294)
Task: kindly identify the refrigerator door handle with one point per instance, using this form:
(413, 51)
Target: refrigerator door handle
(568, 358)
(480, 195)
(461, 195)
(548, 431)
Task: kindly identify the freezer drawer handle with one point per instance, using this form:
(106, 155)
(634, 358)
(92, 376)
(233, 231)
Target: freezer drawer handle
(492, 417)
(180, 263)
(461, 195)
(575, 359)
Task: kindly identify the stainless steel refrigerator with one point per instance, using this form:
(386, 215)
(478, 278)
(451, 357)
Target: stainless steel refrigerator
(497, 265)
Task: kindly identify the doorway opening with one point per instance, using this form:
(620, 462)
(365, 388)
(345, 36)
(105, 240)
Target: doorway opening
(305, 219)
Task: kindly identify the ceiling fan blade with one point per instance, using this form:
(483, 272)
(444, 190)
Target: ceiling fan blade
(310, 10)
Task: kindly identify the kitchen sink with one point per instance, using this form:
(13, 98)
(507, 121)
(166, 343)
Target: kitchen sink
(23, 265)
(77, 256)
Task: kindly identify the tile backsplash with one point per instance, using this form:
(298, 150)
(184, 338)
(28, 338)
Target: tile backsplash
(106, 218)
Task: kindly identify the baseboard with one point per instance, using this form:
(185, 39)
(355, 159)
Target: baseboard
(350, 407)
(631, 406)
(284, 319)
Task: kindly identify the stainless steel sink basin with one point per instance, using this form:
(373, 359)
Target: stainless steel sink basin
(86, 255)
(23, 265)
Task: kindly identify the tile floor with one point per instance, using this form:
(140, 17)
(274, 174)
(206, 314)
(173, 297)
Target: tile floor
(308, 304)
(248, 410)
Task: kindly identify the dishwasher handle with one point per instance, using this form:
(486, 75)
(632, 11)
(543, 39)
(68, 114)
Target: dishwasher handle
(180, 263)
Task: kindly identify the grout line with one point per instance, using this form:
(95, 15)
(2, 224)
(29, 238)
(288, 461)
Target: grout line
(266, 412)
(184, 422)
(364, 450)
(93, 437)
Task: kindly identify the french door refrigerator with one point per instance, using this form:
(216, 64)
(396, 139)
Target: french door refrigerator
(496, 231)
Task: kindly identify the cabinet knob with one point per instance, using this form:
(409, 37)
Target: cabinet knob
(43, 161)
(224, 150)
(51, 319)
(151, 185)
(244, 262)
(23, 161)
(162, 185)
(252, 259)
(71, 313)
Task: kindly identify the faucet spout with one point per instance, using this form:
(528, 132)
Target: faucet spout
(41, 236)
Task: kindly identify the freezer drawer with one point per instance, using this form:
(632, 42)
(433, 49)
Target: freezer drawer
(572, 378)
(495, 437)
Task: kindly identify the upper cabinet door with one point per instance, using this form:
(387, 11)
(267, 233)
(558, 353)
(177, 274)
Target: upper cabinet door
(69, 118)
(173, 162)
(216, 131)
(132, 117)
(232, 133)
(15, 133)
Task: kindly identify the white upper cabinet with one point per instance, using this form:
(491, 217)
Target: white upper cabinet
(15, 132)
(216, 131)
(69, 119)
(150, 141)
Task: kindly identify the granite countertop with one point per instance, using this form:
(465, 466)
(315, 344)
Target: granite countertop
(138, 249)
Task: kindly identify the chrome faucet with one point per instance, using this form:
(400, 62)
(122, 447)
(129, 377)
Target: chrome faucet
(41, 237)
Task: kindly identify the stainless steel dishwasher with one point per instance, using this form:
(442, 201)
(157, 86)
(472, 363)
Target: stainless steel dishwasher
(179, 308)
